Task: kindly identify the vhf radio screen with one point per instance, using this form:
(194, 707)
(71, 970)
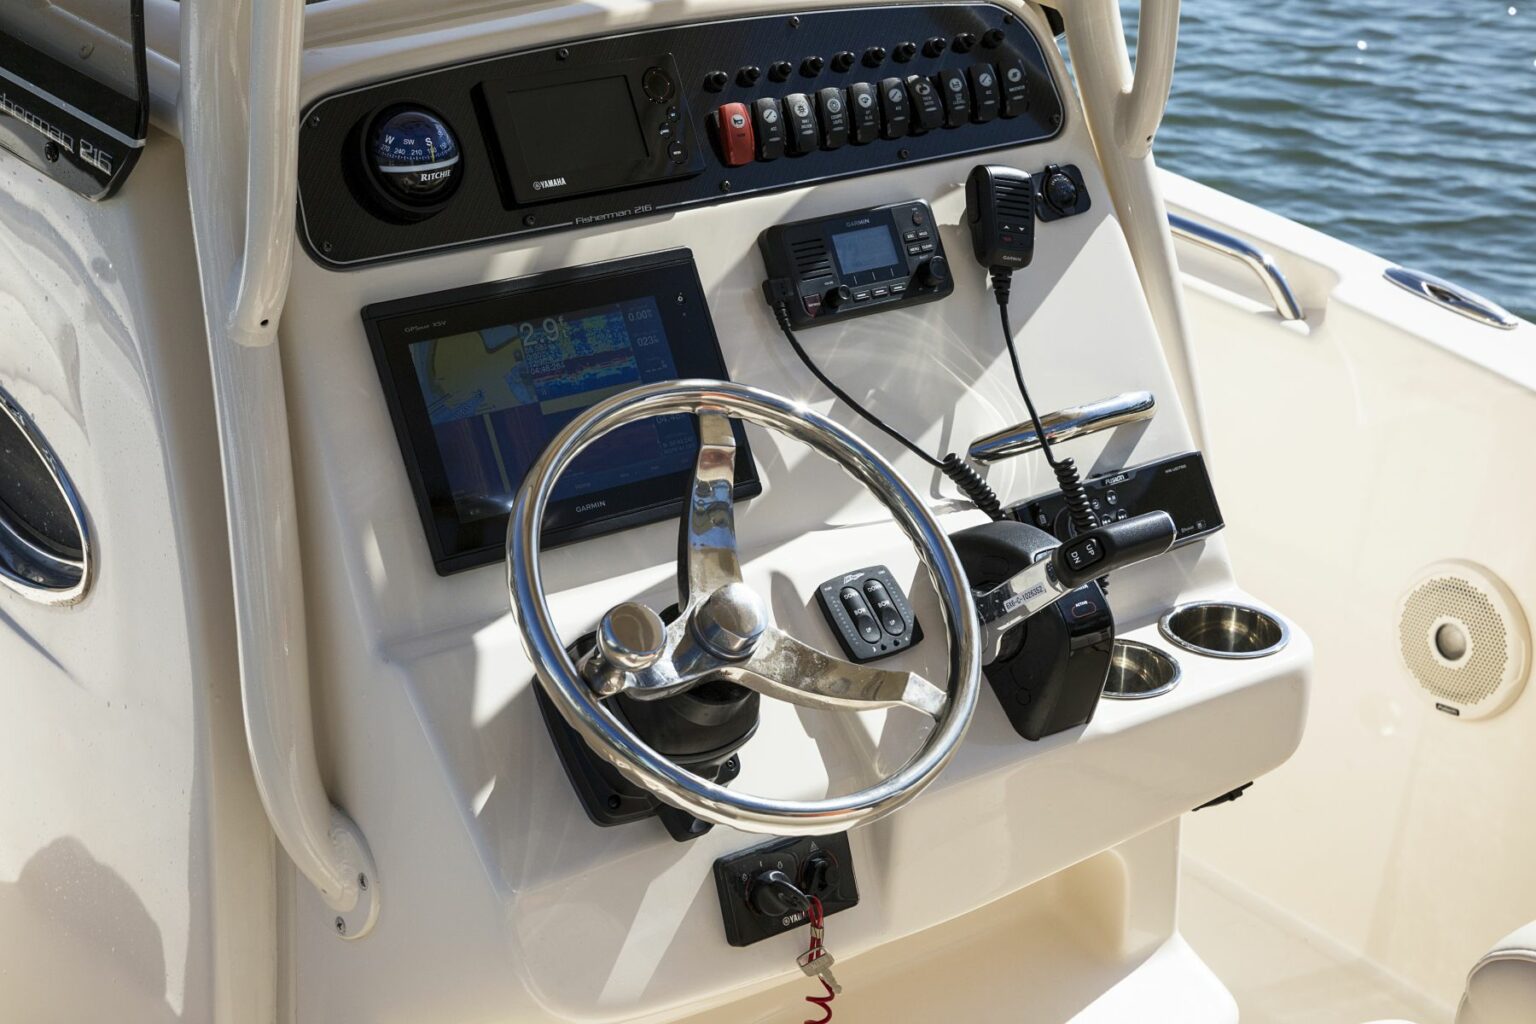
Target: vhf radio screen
(865, 249)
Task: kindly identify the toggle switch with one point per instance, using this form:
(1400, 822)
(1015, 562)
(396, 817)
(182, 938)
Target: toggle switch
(858, 611)
(733, 126)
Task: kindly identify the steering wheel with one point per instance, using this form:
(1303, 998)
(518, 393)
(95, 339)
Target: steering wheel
(723, 632)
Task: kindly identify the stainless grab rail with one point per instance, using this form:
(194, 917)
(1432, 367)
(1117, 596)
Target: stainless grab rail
(1452, 297)
(1257, 260)
(1065, 424)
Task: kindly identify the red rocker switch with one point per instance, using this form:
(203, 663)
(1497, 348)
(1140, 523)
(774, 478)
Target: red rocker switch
(734, 124)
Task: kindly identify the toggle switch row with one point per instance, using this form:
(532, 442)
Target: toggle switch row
(894, 107)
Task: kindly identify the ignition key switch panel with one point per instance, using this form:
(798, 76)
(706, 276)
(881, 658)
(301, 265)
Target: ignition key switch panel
(764, 891)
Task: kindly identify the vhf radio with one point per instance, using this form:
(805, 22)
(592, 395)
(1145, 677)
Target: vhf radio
(832, 268)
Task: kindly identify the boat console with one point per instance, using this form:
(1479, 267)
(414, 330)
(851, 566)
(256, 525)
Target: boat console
(750, 509)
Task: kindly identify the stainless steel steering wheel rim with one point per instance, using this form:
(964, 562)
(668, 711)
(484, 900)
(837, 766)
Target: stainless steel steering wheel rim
(613, 740)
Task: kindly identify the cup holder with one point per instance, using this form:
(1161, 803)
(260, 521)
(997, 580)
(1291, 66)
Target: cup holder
(1138, 671)
(1219, 630)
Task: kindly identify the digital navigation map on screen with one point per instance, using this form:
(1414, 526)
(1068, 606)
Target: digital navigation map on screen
(496, 396)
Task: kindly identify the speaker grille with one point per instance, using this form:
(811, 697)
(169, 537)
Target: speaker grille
(1016, 200)
(811, 258)
(1483, 669)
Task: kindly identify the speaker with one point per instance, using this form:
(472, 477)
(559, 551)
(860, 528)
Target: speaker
(1464, 639)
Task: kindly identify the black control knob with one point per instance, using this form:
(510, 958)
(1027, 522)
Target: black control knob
(414, 156)
(965, 42)
(843, 60)
(836, 297)
(993, 39)
(820, 875)
(935, 46)
(933, 273)
(748, 74)
(716, 81)
(874, 56)
(905, 52)
(811, 66)
(780, 70)
(1061, 192)
(772, 894)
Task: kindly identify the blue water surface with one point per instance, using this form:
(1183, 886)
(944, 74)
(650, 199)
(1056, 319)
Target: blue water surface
(1407, 129)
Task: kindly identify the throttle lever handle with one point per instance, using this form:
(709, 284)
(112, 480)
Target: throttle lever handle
(1102, 550)
(1066, 567)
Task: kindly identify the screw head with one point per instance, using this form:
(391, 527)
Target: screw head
(530, 220)
(341, 927)
(314, 121)
(51, 152)
(903, 153)
(1056, 120)
(563, 53)
(794, 21)
(362, 881)
(325, 246)
(725, 186)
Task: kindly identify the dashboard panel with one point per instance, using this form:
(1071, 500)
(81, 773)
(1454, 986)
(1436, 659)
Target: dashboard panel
(606, 129)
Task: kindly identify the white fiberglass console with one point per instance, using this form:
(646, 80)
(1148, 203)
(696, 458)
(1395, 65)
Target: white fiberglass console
(513, 219)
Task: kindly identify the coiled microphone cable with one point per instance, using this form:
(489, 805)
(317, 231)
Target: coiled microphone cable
(1067, 477)
(951, 465)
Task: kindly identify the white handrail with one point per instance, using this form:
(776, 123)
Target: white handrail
(272, 186)
(1123, 112)
(1139, 110)
(233, 134)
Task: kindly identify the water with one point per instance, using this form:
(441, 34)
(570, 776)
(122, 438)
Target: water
(1407, 129)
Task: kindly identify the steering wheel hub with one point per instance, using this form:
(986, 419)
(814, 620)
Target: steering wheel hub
(731, 621)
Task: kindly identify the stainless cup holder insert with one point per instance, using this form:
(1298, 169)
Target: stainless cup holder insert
(1220, 630)
(1138, 671)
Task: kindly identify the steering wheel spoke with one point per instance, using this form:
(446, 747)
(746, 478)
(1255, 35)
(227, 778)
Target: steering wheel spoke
(709, 527)
(786, 668)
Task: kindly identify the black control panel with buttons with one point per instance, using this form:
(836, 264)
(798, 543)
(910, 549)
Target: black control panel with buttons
(832, 268)
(596, 130)
(869, 613)
(766, 890)
(1178, 485)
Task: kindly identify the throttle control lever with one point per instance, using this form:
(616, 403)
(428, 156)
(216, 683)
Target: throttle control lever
(1066, 567)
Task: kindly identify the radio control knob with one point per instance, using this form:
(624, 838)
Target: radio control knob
(836, 297)
(933, 273)
(874, 56)
(843, 60)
